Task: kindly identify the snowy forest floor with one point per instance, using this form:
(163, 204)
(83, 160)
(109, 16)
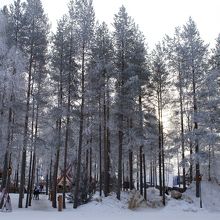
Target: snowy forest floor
(111, 208)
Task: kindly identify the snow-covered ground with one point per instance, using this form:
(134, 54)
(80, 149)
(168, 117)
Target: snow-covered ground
(111, 208)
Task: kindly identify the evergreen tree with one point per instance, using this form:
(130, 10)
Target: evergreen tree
(195, 56)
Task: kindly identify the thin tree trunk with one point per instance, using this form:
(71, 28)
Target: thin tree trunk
(196, 137)
(90, 164)
(209, 165)
(163, 165)
(141, 169)
(66, 143)
(25, 140)
(100, 150)
(108, 139)
(56, 166)
(47, 183)
(106, 153)
(76, 193)
(145, 181)
(51, 178)
(137, 177)
(120, 138)
(151, 173)
(178, 169)
(160, 147)
(190, 153)
(31, 152)
(29, 181)
(182, 129)
(34, 155)
(130, 169)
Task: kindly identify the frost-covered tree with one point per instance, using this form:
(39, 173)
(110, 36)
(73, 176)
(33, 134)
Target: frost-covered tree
(196, 62)
(11, 97)
(131, 74)
(84, 17)
(160, 83)
(176, 60)
(35, 30)
(59, 62)
(99, 89)
(123, 40)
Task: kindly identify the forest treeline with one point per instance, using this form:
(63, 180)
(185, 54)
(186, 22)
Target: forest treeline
(97, 100)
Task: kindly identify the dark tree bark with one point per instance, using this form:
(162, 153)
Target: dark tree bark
(182, 128)
(195, 108)
(130, 169)
(66, 139)
(56, 166)
(106, 150)
(145, 180)
(25, 140)
(100, 150)
(137, 177)
(51, 177)
(119, 185)
(47, 183)
(160, 147)
(163, 166)
(209, 165)
(141, 169)
(34, 155)
(31, 151)
(90, 164)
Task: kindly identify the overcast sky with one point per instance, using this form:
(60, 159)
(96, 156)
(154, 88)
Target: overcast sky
(154, 17)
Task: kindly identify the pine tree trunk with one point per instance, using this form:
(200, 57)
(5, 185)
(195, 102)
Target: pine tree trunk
(108, 139)
(57, 157)
(29, 181)
(5, 170)
(100, 150)
(76, 193)
(119, 185)
(151, 173)
(31, 152)
(191, 162)
(56, 166)
(123, 173)
(90, 164)
(47, 183)
(106, 153)
(130, 169)
(32, 177)
(209, 165)
(51, 178)
(141, 170)
(182, 129)
(66, 142)
(137, 177)
(163, 163)
(178, 168)
(34, 155)
(25, 140)
(160, 148)
(145, 178)
(190, 153)
(196, 137)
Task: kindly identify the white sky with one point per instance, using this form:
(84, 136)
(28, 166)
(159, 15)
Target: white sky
(154, 17)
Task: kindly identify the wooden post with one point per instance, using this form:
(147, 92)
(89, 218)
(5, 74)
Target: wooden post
(60, 203)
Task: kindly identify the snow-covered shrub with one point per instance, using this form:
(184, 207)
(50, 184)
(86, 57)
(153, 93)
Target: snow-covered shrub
(136, 200)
